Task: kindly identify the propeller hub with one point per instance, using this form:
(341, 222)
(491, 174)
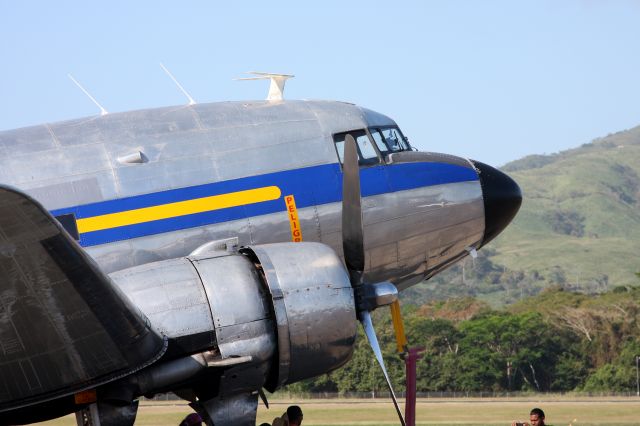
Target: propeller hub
(372, 296)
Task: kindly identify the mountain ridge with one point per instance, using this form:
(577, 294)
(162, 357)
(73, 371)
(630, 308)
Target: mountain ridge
(578, 227)
(580, 212)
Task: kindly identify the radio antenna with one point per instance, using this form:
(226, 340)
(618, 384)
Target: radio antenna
(102, 110)
(191, 101)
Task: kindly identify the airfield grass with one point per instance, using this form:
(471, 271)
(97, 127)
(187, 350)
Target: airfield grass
(560, 411)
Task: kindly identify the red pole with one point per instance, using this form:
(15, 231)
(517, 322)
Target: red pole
(412, 356)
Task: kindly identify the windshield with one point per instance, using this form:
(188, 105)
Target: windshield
(389, 139)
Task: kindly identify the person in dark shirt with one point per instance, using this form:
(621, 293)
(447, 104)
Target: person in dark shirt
(292, 417)
(536, 418)
(295, 415)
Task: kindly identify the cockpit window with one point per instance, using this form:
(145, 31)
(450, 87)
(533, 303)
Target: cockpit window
(377, 137)
(389, 139)
(367, 154)
(366, 150)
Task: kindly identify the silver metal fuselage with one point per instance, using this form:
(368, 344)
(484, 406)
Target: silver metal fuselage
(421, 211)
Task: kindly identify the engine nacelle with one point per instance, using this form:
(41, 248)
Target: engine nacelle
(289, 307)
(314, 308)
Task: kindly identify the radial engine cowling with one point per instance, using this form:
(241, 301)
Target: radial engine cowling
(314, 309)
(289, 307)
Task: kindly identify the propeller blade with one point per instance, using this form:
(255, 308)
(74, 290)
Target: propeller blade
(353, 246)
(367, 324)
(352, 234)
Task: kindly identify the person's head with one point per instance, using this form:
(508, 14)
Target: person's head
(536, 417)
(294, 413)
(265, 424)
(192, 419)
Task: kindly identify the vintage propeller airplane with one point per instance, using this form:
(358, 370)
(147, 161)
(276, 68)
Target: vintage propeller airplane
(161, 250)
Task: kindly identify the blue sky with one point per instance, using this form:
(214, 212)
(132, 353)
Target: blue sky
(490, 80)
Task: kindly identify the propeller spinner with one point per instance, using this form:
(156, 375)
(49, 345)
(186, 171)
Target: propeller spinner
(368, 296)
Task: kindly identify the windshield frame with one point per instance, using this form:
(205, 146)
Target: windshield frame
(379, 129)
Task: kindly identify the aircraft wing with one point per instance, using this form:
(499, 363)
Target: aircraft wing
(64, 327)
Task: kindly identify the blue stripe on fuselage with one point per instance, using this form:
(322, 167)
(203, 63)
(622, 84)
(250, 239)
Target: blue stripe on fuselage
(311, 186)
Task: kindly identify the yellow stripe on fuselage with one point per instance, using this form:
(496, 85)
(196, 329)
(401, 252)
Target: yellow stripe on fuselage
(180, 208)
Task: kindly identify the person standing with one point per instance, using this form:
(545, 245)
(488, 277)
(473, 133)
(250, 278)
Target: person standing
(294, 413)
(536, 418)
(292, 417)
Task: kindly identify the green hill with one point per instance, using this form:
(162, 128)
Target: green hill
(578, 227)
(580, 213)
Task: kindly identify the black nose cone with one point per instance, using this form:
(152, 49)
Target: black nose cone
(502, 199)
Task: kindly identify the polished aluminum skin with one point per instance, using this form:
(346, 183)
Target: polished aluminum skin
(226, 303)
(236, 410)
(172, 296)
(314, 308)
(409, 234)
(272, 313)
(216, 303)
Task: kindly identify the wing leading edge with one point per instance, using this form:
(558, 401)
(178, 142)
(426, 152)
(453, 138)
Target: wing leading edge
(64, 326)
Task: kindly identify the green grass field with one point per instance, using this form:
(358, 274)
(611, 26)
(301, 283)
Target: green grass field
(349, 412)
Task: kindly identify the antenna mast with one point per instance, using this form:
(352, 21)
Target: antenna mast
(191, 101)
(276, 87)
(102, 110)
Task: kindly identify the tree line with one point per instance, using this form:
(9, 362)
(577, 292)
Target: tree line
(554, 341)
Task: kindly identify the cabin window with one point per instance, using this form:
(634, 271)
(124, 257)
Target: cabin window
(367, 154)
(389, 139)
